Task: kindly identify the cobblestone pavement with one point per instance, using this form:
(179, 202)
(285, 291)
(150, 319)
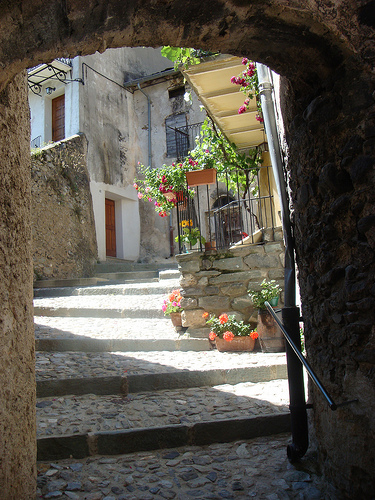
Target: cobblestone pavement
(51, 365)
(91, 413)
(256, 468)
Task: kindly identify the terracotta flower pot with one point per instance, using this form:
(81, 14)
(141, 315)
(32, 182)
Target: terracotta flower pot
(201, 177)
(176, 320)
(271, 338)
(237, 344)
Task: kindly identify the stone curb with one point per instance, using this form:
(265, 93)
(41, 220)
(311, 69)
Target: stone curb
(158, 381)
(134, 440)
(121, 345)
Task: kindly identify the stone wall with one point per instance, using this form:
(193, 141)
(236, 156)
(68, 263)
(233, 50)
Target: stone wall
(326, 51)
(332, 178)
(17, 342)
(218, 282)
(64, 242)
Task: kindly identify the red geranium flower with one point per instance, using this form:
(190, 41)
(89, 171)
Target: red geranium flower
(228, 336)
(212, 335)
(223, 318)
(254, 335)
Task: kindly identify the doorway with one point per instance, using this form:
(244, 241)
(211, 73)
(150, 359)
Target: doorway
(110, 228)
(58, 118)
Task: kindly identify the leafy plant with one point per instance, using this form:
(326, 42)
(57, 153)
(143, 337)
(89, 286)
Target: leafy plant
(185, 56)
(172, 303)
(191, 235)
(227, 327)
(269, 290)
(213, 150)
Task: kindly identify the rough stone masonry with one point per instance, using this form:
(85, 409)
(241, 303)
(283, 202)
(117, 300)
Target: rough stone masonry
(325, 50)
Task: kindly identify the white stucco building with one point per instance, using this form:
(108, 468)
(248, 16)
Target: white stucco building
(124, 101)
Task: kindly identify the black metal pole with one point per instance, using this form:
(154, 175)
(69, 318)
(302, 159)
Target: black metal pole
(297, 405)
(290, 312)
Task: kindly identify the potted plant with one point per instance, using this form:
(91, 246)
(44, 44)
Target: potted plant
(270, 291)
(172, 307)
(190, 236)
(270, 336)
(199, 176)
(230, 334)
(163, 186)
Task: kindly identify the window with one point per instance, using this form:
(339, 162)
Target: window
(177, 138)
(176, 91)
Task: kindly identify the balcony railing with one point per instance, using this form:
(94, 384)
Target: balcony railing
(223, 217)
(186, 138)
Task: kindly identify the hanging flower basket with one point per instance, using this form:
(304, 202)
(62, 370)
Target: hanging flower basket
(170, 195)
(201, 177)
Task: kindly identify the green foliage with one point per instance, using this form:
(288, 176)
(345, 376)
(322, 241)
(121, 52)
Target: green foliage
(185, 56)
(191, 236)
(237, 169)
(269, 290)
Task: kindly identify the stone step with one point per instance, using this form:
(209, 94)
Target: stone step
(72, 426)
(53, 283)
(147, 382)
(104, 328)
(119, 345)
(101, 306)
(52, 366)
(144, 288)
(129, 275)
(246, 468)
(117, 265)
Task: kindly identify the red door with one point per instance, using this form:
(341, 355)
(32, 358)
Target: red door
(110, 228)
(58, 118)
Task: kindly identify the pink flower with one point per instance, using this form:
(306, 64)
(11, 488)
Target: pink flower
(250, 72)
(163, 179)
(149, 199)
(251, 65)
(135, 185)
(148, 189)
(164, 307)
(140, 196)
(241, 109)
(233, 79)
(259, 118)
(246, 102)
(245, 61)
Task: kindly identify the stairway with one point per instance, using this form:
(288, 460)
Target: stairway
(113, 376)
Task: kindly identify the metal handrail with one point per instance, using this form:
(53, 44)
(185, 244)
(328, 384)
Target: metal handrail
(305, 363)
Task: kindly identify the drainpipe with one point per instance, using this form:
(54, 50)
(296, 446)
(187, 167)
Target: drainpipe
(290, 313)
(149, 124)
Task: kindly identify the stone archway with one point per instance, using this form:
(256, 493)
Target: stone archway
(330, 131)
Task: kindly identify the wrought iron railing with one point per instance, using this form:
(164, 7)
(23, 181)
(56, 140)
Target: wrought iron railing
(216, 217)
(186, 138)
